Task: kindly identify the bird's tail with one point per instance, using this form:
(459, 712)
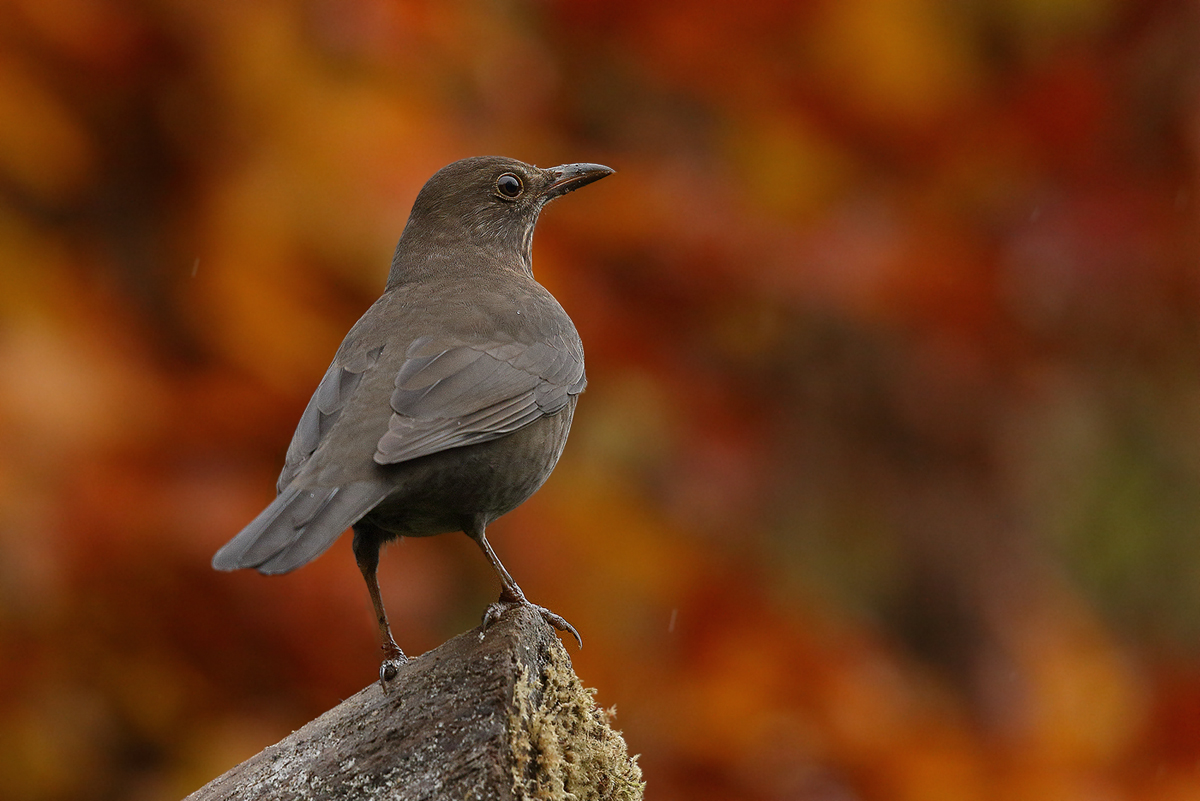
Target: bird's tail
(298, 526)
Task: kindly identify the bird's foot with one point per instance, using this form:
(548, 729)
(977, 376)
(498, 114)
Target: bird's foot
(494, 611)
(393, 659)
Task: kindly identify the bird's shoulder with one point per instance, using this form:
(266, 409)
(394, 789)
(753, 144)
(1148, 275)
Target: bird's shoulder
(481, 312)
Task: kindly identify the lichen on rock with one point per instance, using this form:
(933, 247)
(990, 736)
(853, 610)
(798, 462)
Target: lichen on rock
(563, 746)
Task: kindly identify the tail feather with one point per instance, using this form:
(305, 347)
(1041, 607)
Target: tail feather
(298, 526)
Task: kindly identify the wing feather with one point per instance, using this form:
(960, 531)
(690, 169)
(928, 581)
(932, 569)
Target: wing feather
(323, 410)
(451, 393)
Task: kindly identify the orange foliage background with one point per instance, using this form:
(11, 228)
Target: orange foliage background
(886, 484)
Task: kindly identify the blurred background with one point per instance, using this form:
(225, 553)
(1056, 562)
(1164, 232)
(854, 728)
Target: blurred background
(886, 484)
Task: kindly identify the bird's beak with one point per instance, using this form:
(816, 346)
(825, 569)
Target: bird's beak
(569, 177)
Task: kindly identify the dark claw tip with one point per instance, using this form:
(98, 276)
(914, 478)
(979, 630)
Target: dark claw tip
(392, 661)
(562, 625)
(498, 608)
(578, 639)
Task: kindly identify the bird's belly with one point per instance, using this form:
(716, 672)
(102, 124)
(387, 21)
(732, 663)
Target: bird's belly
(449, 490)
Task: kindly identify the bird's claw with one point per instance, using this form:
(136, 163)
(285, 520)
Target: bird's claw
(560, 623)
(497, 609)
(393, 659)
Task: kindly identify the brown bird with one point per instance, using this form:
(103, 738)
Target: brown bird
(448, 404)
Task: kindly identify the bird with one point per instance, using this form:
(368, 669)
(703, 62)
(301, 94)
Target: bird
(448, 403)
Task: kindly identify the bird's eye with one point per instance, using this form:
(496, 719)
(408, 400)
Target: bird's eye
(509, 185)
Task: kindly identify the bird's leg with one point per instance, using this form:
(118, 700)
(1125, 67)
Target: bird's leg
(367, 541)
(510, 593)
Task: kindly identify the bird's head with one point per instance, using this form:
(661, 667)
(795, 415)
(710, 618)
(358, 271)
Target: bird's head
(489, 202)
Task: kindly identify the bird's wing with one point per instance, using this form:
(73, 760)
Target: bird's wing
(323, 410)
(451, 393)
